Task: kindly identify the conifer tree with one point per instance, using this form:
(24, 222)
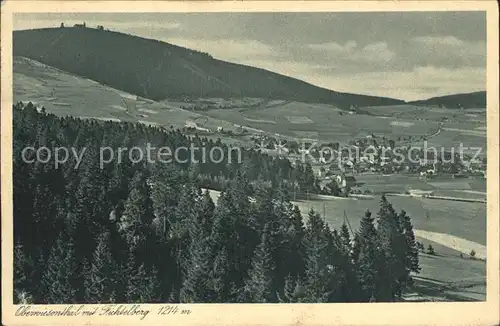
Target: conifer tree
(391, 256)
(143, 286)
(196, 286)
(412, 262)
(366, 248)
(299, 291)
(288, 289)
(316, 248)
(220, 277)
(296, 234)
(21, 280)
(100, 279)
(345, 239)
(206, 212)
(58, 281)
(348, 256)
(135, 223)
(233, 231)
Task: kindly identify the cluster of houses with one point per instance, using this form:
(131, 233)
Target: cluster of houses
(382, 158)
(191, 124)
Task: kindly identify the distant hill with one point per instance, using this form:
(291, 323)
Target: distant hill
(159, 70)
(466, 100)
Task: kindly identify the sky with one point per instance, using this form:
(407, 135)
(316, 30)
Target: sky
(404, 55)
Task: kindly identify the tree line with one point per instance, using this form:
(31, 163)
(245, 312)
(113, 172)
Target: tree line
(139, 233)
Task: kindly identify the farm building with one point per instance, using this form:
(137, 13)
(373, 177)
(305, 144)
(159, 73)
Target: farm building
(346, 181)
(191, 124)
(194, 125)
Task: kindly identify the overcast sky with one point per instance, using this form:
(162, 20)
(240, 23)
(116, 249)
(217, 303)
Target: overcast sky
(399, 54)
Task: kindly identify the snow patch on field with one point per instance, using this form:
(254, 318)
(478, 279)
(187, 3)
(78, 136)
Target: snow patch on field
(260, 121)
(467, 132)
(127, 95)
(149, 123)
(147, 111)
(401, 123)
(299, 119)
(459, 244)
(102, 118)
(118, 107)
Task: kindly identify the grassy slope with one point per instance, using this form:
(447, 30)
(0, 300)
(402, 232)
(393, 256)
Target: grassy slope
(158, 70)
(65, 94)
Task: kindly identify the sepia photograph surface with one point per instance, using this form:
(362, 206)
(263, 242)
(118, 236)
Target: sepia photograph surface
(159, 165)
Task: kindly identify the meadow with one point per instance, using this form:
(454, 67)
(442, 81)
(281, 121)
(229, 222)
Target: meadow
(324, 122)
(466, 127)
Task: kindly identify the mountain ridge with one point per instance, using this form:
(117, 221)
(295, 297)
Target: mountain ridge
(465, 100)
(158, 70)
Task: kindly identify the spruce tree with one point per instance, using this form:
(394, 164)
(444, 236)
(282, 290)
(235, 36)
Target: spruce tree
(366, 249)
(196, 286)
(412, 261)
(345, 239)
(258, 287)
(296, 234)
(349, 288)
(206, 212)
(219, 276)
(21, 281)
(316, 249)
(100, 279)
(288, 289)
(135, 223)
(143, 286)
(391, 256)
(58, 281)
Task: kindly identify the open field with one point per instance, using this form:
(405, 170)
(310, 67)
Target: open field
(401, 183)
(467, 127)
(413, 112)
(298, 120)
(454, 140)
(451, 227)
(449, 278)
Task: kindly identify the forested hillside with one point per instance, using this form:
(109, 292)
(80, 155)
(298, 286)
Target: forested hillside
(147, 233)
(476, 100)
(158, 70)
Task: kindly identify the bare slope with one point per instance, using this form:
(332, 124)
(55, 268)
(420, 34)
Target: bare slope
(66, 94)
(159, 70)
